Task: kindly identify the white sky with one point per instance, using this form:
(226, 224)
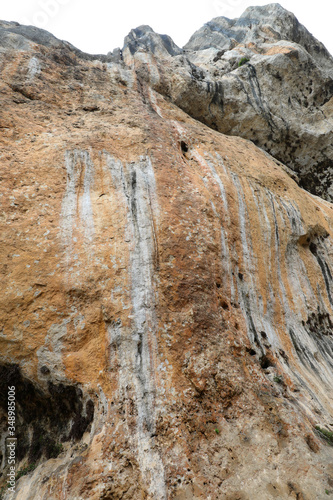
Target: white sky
(99, 26)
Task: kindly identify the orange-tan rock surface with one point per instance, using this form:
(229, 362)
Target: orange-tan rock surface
(166, 305)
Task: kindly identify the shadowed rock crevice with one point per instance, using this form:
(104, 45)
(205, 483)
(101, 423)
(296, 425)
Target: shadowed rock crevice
(319, 179)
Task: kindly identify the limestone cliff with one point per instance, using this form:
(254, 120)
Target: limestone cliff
(167, 291)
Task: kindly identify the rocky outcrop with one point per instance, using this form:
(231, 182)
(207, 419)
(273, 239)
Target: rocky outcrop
(262, 77)
(166, 308)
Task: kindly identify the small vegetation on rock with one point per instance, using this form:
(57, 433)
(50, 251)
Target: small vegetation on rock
(26, 470)
(324, 433)
(278, 379)
(56, 449)
(50, 447)
(243, 61)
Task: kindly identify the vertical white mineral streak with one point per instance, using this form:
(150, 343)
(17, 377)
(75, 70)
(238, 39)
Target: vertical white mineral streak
(76, 210)
(209, 168)
(291, 274)
(68, 208)
(137, 185)
(33, 68)
(251, 303)
(287, 286)
(86, 213)
(153, 101)
(305, 300)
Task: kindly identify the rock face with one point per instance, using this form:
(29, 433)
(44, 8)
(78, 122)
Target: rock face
(166, 308)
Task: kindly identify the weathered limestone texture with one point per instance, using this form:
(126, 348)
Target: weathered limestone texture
(166, 312)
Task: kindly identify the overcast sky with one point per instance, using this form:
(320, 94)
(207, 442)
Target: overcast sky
(98, 26)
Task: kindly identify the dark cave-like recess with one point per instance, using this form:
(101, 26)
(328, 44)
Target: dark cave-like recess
(44, 418)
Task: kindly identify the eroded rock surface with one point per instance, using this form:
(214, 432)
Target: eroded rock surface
(167, 291)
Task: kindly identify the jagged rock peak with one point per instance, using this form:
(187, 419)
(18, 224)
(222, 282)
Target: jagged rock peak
(11, 32)
(15, 36)
(145, 38)
(269, 23)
